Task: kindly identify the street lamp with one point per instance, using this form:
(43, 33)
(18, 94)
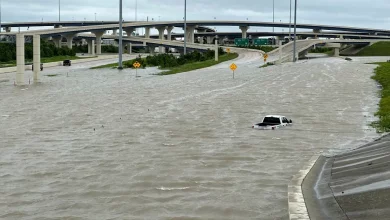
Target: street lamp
(59, 10)
(0, 16)
(185, 27)
(295, 32)
(289, 26)
(273, 14)
(120, 36)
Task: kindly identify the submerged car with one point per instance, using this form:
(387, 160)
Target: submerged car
(67, 63)
(272, 122)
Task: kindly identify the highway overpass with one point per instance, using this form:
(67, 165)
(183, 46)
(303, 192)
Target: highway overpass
(98, 30)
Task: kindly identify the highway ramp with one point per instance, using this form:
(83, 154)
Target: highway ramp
(353, 185)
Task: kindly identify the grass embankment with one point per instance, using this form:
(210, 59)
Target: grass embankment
(43, 60)
(199, 65)
(382, 76)
(377, 49)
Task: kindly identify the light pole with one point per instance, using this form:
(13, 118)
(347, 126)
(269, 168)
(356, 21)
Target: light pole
(120, 36)
(295, 32)
(0, 16)
(185, 27)
(289, 26)
(59, 10)
(273, 14)
(136, 5)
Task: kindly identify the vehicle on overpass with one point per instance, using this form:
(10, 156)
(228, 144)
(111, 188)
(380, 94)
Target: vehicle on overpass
(273, 122)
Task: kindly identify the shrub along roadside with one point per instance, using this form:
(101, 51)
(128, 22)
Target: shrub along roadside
(382, 76)
(167, 61)
(199, 65)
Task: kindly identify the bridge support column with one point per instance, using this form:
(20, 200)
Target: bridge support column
(129, 31)
(69, 40)
(91, 47)
(147, 32)
(129, 48)
(36, 56)
(216, 50)
(244, 30)
(114, 32)
(169, 31)
(190, 34)
(161, 31)
(209, 40)
(20, 59)
(341, 37)
(98, 35)
(336, 52)
(201, 40)
(277, 40)
(316, 31)
(151, 49)
(57, 41)
(7, 29)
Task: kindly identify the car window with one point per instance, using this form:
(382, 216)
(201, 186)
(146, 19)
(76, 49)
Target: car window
(285, 120)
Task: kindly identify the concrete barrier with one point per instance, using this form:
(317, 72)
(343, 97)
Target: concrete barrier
(296, 203)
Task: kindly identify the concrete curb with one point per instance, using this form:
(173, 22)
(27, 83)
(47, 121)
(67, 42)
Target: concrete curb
(296, 203)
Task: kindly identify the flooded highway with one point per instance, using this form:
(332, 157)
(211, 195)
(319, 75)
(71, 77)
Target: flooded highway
(103, 144)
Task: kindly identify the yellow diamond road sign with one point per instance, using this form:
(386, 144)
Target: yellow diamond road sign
(136, 65)
(265, 56)
(233, 66)
(228, 50)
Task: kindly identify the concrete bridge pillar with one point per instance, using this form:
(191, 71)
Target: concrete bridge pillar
(216, 50)
(20, 59)
(169, 31)
(151, 49)
(98, 35)
(336, 52)
(161, 31)
(316, 31)
(129, 31)
(69, 40)
(209, 40)
(190, 34)
(277, 40)
(7, 29)
(91, 46)
(147, 32)
(57, 41)
(114, 32)
(201, 40)
(57, 26)
(244, 30)
(129, 48)
(36, 56)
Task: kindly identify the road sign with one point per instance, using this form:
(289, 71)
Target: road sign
(136, 65)
(228, 50)
(259, 42)
(241, 42)
(233, 66)
(265, 56)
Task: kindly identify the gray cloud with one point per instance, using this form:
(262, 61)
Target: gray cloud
(373, 14)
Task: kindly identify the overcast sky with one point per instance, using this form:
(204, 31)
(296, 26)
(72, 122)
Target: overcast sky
(361, 13)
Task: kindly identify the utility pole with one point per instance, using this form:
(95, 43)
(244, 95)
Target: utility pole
(185, 27)
(0, 16)
(273, 14)
(120, 36)
(289, 26)
(295, 32)
(59, 10)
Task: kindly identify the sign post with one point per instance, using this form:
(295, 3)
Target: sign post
(136, 65)
(233, 67)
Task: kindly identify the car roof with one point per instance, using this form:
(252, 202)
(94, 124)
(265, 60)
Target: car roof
(275, 116)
